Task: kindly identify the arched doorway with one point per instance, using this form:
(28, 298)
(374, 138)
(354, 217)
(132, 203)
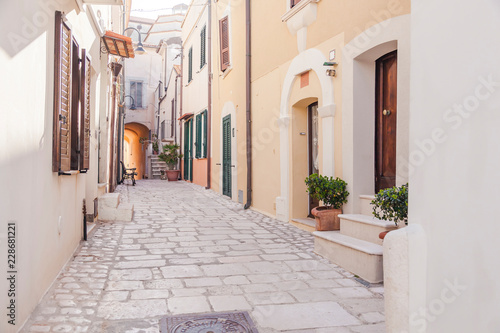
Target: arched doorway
(134, 150)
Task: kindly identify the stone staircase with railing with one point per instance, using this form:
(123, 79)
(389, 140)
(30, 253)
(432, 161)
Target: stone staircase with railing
(356, 246)
(156, 167)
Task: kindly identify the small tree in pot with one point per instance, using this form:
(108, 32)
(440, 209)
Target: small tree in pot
(333, 193)
(391, 205)
(171, 155)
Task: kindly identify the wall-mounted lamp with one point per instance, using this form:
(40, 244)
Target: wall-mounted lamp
(140, 48)
(132, 107)
(330, 71)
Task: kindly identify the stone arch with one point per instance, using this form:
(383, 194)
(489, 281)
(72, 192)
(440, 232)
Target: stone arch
(309, 60)
(136, 150)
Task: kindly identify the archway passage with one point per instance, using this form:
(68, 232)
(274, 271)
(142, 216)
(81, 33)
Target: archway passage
(136, 151)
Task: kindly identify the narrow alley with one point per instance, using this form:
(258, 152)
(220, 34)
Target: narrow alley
(191, 250)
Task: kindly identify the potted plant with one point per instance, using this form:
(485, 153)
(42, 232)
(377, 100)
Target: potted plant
(391, 205)
(171, 155)
(155, 148)
(333, 193)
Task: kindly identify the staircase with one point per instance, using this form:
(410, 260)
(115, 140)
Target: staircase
(110, 208)
(157, 166)
(356, 247)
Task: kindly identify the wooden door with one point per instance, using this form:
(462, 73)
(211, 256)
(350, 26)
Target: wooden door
(313, 147)
(226, 156)
(385, 121)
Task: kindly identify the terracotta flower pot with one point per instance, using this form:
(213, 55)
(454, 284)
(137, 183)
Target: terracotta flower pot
(383, 234)
(173, 175)
(326, 219)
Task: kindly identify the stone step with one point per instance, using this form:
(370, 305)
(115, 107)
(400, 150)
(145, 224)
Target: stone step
(123, 212)
(360, 257)
(109, 200)
(366, 206)
(364, 227)
(305, 224)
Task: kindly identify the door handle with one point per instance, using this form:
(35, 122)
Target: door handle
(386, 112)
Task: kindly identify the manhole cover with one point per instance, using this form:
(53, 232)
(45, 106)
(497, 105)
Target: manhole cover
(227, 322)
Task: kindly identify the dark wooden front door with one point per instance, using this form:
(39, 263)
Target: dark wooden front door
(313, 147)
(386, 121)
(226, 156)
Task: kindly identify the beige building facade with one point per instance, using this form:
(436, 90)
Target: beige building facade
(304, 120)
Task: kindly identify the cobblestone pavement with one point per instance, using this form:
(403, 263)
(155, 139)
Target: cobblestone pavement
(189, 250)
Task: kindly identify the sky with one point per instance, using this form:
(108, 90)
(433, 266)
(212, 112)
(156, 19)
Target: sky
(153, 8)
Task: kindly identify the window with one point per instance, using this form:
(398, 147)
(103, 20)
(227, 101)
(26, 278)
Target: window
(71, 126)
(190, 65)
(203, 37)
(201, 135)
(163, 129)
(224, 43)
(136, 93)
(293, 3)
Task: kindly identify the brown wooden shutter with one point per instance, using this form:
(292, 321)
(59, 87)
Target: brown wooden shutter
(224, 43)
(85, 78)
(75, 106)
(61, 141)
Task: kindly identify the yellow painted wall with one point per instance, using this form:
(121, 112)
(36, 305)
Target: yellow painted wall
(273, 49)
(228, 91)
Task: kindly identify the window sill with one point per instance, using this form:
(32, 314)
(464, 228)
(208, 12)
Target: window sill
(203, 67)
(297, 8)
(226, 72)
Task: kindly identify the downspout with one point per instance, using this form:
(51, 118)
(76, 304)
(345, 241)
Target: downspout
(249, 104)
(180, 106)
(115, 67)
(175, 108)
(209, 108)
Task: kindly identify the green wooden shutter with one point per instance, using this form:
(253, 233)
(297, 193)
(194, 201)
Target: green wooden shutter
(203, 37)
(186, 151)
(226, 156)
(205, 136)
(198, 136)
(190, 65)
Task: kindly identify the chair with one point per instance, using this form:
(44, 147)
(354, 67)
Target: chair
(128, 174)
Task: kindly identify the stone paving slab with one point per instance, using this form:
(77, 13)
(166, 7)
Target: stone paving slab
(189, 250)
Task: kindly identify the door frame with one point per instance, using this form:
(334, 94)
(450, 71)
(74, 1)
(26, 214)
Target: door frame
(312, 203)
(188, 155)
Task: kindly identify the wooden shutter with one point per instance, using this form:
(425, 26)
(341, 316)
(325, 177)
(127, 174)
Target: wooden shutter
(85, 78)
(204, 120)
(75, 105)
(190, 65)
(61, 141)
(203, 38)
(224, 43)
(198, 136)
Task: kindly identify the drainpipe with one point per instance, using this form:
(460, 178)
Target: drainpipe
(180, 106)
(175, 108)
(209, 109)
(115, 67)
(249, 104)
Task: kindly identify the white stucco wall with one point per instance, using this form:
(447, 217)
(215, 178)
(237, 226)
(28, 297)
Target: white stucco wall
(455, 158)
(46, 207)
(196, 19)
(145, 68)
